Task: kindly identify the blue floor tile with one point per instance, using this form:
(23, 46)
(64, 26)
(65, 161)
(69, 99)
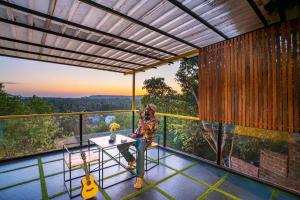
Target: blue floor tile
(181, 187)
(216, 195)
(18, 176)
(121, 190)
(162, 153)
(245, 188)
(205, 173)
(150, 195)
(28, 191)
(157, 173)
(52, 156)
(284, 196)
(53, 167)
(177, 162)
(17, 164)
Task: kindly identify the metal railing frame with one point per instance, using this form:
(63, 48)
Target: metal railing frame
(165, 116)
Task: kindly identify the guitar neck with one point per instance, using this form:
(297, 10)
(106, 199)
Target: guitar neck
(87, 174)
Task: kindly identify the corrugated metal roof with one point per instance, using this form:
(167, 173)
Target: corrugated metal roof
(85, 34)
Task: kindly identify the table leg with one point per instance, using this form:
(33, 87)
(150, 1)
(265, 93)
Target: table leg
(102, 169)
(89, 155)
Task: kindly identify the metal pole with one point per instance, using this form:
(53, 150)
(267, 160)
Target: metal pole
(220, 137)
(80, 128)
(165, 131)
(133, 100)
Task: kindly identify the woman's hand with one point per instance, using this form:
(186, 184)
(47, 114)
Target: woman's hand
(132, 135)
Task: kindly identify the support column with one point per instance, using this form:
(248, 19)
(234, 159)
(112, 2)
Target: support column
(133, 101)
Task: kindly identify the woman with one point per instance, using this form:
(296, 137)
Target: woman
(144, 134)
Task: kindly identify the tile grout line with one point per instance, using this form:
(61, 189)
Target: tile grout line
(42, 180)
(132, 195)
(54, 174)
(62, 193)
(201, 182)
(159, 190)
(167, 195)
(19, 168)
(211, 189)
(17, 184)
(274, 195)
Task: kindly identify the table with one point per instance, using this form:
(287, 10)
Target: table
(103, 144)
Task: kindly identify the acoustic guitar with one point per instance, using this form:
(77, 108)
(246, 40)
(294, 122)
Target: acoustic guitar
(89, 186)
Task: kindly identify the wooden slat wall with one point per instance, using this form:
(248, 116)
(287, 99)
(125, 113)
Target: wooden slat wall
(254, 79)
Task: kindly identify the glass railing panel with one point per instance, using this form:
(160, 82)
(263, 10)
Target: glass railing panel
(26, 136)
(190, 136)
(97, 125)
(265, 154)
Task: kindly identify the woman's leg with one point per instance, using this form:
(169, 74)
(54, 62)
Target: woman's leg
(124, 150)
(140, 157)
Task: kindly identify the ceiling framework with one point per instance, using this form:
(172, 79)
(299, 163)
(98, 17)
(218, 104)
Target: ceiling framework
(124, 36)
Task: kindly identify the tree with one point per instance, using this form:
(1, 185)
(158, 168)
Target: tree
(187, 77)
(26, 135)
(159, 93)
(9, 104)
(38, 106)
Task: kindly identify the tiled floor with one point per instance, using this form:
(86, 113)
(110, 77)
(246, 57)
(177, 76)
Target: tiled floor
(177, 177)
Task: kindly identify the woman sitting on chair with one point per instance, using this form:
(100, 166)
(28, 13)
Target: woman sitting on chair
(144, 134)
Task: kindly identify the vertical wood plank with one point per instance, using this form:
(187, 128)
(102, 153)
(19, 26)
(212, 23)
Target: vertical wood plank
(229, 83)
(225, 82)
(270, 78)
(247, 81)
(265, 59)
(290, 104)
(284, 42)
(243, 80)
(296, 77)
(251, 73)
(255, 79)
(274, 78)
(278, 78)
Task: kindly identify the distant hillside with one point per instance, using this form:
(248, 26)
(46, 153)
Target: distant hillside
(112, 96)
(91, 103)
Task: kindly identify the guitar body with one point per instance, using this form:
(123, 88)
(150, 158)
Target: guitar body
(89, 188)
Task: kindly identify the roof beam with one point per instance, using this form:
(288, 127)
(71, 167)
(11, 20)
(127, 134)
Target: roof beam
(49, 17)
(119, 14)
(167, 61)
(197, 17)
(83, 66)
(258, 13)
(75, 38)
(65, 58)
(69, 51)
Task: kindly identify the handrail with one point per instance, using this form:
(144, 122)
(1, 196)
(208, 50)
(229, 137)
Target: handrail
(174, 115)
(62, 114)
(178, 116)
(93, 112)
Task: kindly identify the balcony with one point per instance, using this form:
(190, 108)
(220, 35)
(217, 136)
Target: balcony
(180, 175)
(243, 141)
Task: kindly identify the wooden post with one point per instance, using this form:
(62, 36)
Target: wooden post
(133, 101)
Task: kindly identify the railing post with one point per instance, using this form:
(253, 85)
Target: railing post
(220, 138)
(133, 119)
(165, 131)
(80, 128)
(133, 100)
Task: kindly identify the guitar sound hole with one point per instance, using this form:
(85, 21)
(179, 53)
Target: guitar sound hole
(89, 189)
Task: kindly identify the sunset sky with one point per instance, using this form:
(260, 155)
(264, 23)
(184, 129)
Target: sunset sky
(26, 78)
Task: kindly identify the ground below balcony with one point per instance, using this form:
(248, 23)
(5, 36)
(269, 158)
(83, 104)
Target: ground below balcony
(177, 177)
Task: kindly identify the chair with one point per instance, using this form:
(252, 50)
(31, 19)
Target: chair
(73, 161)
(151, 146)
